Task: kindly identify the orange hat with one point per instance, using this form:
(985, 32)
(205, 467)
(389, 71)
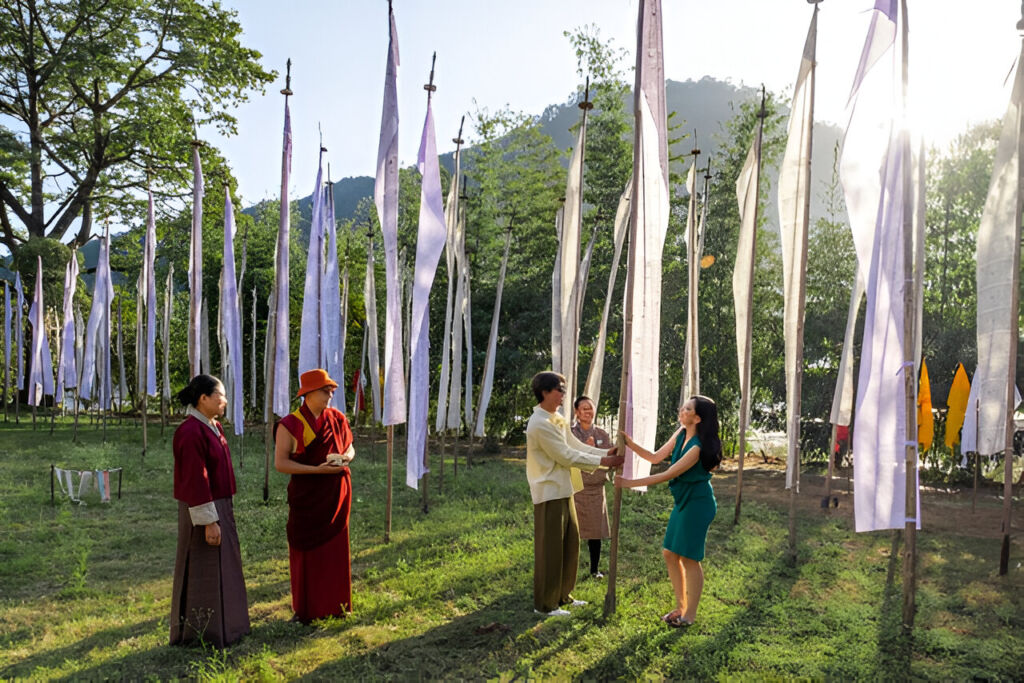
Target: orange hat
(313, 380)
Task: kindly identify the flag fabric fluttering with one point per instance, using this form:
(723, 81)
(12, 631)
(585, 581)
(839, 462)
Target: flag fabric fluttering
(569, 268)
(842, 400)
(998, 247)
(794, 203)
(149, 294)
(691, 361)
(195, 269)
(621, 225)
(925, 420)
(430, 242)
(280, 400)
(487, 382)
(956, 405)
(556, 297)
(743, 273)
(40, 381)
(231, 318)
(67, 365)
(7, 340)
(19, 331)
(651, 207)
(450, 219)
(96, 356)
(875, 155)
(458, 324)
(371, 339)
(385, 196)
(310, 332)
(166, 337)
(334, 311)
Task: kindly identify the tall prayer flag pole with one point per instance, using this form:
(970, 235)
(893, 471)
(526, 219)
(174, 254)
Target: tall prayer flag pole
(278, 400)
(794, 221)
(430, 242)
(650, 209)
(195, 266)
(385, 195)
(569, 261)
(747, 196)
(693, 281)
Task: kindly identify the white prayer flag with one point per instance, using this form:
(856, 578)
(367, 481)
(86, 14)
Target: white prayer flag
(595, 375)
(998, 247)
(310, 332)
(281, 397)
(67, 366)
(149, 295)
(492, 344)
(430, 242)
(743, 273)
(794, 202)
(450, 220)
(334, 311)
(872, 169)
(40, 381)
(648, 235)
(195, 270)
(231, 318)
(569, 265)
(385, 195)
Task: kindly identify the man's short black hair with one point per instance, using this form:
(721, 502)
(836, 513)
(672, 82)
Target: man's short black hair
(546, 381)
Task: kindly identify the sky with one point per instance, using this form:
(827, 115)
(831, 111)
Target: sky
(493, 54)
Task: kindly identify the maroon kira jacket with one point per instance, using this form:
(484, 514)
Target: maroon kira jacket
(318, 504)
(202, 464)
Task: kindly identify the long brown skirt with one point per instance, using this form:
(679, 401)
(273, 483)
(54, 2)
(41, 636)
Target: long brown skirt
(208, 602)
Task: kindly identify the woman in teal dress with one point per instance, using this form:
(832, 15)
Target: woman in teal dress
(696, 450)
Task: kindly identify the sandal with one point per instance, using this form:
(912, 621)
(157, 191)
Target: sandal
(671, 615)
(678, 621)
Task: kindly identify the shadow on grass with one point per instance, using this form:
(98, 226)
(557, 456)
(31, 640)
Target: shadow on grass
(502, 635)
(58, 657)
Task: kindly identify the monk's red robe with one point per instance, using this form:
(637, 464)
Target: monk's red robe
(318, 515)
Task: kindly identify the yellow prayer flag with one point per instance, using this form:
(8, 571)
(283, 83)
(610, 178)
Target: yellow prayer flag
(925, 421)
(956, 405)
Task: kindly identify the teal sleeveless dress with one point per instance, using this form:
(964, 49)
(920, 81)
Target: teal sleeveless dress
(694, 508)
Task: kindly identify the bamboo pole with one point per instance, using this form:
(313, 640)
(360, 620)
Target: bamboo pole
(387, 499)
(610, 598)
(910, 362)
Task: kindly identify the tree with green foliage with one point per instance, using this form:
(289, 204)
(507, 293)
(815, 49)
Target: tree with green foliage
(102, 94)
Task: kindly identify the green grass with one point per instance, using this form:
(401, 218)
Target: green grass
(85, 590)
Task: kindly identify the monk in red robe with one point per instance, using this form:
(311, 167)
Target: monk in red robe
(315, 447)
(208, 601)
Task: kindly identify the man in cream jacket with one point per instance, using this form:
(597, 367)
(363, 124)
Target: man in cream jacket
(551, 454)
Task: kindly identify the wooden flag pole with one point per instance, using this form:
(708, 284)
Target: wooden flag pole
(270, 363)
(610, 599)
(387, 499)
(745, 396)
(910, 362)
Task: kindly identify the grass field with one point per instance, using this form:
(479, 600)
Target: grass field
(85, 589)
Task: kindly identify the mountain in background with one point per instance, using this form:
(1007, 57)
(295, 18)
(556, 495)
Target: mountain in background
(703, 105)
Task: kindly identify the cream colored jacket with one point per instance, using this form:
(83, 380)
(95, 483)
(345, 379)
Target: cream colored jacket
(551, 453)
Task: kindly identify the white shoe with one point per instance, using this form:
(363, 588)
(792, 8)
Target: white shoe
(578, 603)
(553, 613)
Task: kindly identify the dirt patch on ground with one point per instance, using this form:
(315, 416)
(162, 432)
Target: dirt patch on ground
(943, 510)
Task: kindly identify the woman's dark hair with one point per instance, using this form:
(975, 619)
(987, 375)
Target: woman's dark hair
(201, 385)
(581, 399)
(707, 432)
(545, 381)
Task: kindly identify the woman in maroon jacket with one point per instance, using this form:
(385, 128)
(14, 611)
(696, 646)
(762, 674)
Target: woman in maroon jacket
(315, 447)
(208, 602)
